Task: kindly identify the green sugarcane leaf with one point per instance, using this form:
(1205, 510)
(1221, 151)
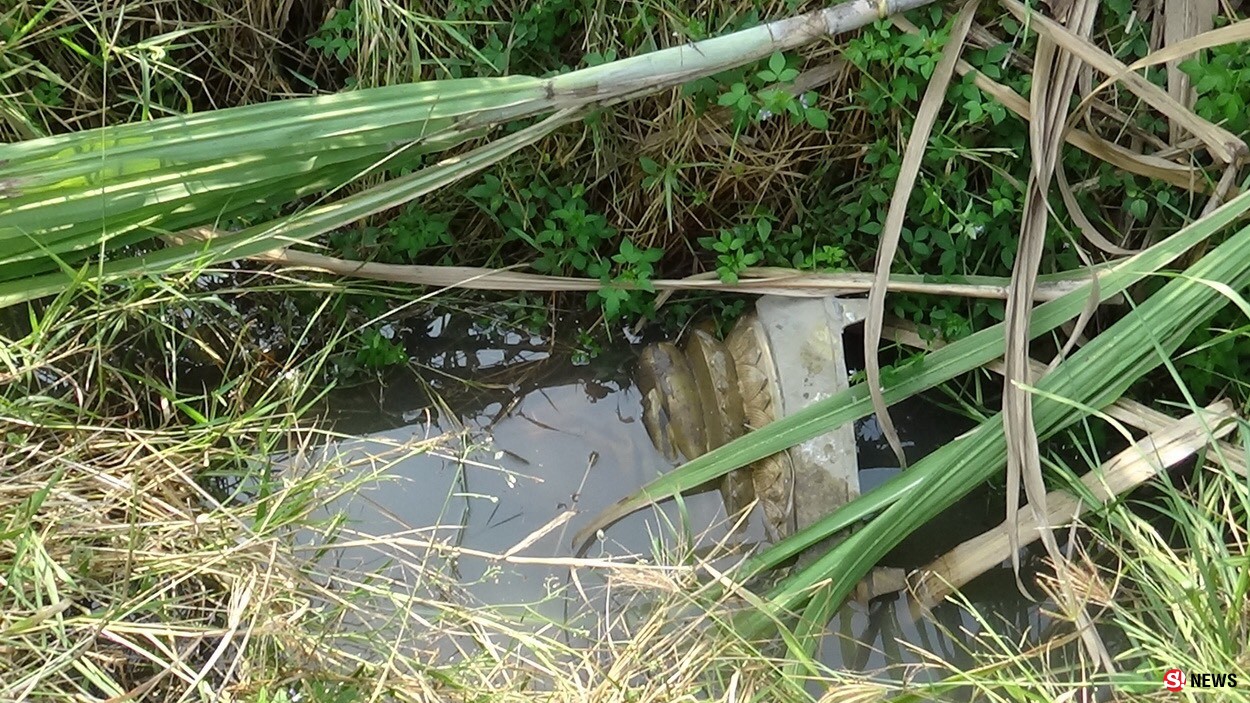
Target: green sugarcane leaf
(1097, 375)
(285, 231)
(936, 367)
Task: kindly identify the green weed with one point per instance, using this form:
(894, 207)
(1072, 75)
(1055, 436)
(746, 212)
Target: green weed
(379, 349)
(412, 236)
(572, 239)
(1221, 79)
(338, 36)
(735, 249)
(763, 94)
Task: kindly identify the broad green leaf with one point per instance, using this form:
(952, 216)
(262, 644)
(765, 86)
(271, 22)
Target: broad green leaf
(777, 63)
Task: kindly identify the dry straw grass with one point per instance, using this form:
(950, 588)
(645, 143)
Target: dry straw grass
(145, 556)
(122, 579)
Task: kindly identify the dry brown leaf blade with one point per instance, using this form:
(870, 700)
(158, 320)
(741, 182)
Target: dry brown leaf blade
(1222, 144)
(917, 143)
(1234, 33)
(1153, 167)
(1057, 65)
(1083, 223)
(765, 280)
(1163, 448)
(1184, 20)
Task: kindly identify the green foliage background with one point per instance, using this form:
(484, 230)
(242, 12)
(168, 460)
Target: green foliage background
(741, 169)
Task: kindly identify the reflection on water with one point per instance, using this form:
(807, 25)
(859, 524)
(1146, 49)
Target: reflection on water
(544, 436)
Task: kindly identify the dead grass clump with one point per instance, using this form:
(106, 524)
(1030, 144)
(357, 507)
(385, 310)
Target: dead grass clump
(116, 580)
(72, 66)
(1166, 587)
(145, 543)
(160, 601)
(162, 553)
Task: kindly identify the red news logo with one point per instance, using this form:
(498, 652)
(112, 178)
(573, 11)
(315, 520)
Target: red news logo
(1175, 680)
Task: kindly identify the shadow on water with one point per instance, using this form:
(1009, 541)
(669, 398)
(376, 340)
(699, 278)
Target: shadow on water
(542, 436)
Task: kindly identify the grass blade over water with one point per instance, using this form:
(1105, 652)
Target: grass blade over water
(1095, 376)
(934, 368)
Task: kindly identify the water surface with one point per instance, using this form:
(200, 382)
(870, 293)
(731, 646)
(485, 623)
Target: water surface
(541, 436)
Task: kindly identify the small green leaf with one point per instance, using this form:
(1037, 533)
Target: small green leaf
(763, 228)
(777, 63)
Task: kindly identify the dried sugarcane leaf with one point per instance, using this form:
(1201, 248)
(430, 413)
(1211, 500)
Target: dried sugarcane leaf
(1164, 448)
(765, 280)
(1222, 144)
(1055, 74)
(913, 154)
(1183, 20)
(1088, 229)
(1231, 34)
(1153, 167)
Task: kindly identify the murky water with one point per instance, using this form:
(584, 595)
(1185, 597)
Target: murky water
(545, 436)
